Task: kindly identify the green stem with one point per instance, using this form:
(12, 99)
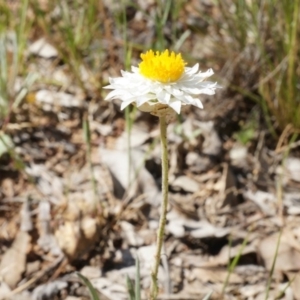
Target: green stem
(164, 207)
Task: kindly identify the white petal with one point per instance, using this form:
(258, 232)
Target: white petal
(207, 91)
(193, 70)
(135, 69)
(176, 105)
(163, 97)
(126, 103)
(208, 84)
(203, 75)
(193, 91)
(119, 94)
(143, 99)
(198, 103)
(113, 94)
(185, 98)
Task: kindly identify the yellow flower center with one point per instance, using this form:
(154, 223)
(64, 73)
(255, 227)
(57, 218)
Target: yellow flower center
(164, 67)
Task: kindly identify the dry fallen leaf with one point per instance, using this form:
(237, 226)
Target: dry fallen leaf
(215, 275)
(42, 48)
(294, 278)
(212, 143)
(228, 187)
(290, 170)
(5, 291)
(110, 289)
(132, 179)
(46, 238)
(13, 263)
(77, 230)
(48, 290)
(265, 201)
(186, 184)
(57, 99)
(288, 257)
(132, 238)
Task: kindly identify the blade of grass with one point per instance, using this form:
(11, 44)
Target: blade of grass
(161, 17)
(273, 267)
(234, 261)
(134, 293)
(137, 280)
(207, 297)
(281, 294)
(4, 97)
(92, 291)
(292, 53)
(21, 33)
(130, 288)
(87, 139)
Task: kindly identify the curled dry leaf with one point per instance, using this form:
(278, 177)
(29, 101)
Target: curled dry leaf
(228, 187)
(77, 231)
(48, 290)
(186, 184)
(289, 172)
(26, 222)
(133, 239)
(206, 229)
(264, 200)
(46, 238)
(238, 156)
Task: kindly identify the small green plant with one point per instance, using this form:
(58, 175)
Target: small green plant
(75, 30)
(248, 129)
(133, 289)
(14, 28)
(10, 99)
(280, 73)
(264, 44)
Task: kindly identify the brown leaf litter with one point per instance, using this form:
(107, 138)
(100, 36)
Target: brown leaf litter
(65, 212)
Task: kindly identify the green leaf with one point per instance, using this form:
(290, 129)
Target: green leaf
(6, 143)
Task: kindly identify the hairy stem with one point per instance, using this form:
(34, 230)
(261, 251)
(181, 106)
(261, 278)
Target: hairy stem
(164, 207)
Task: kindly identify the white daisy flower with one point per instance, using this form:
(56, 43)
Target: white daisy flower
(161, 84)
